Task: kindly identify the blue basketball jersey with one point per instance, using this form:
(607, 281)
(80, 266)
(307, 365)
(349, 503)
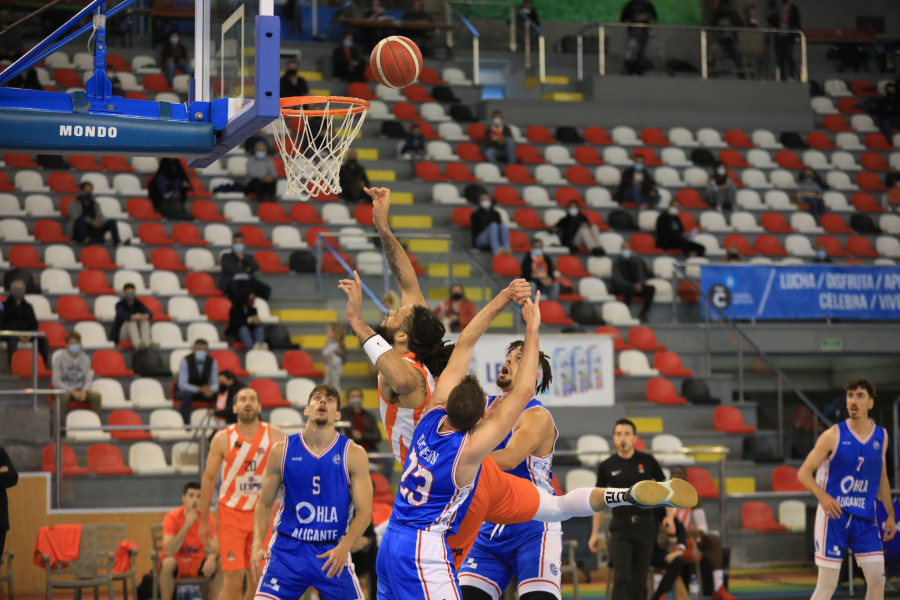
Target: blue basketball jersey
(428, 498)
(316, 505)
(536, 469)
(852, 474)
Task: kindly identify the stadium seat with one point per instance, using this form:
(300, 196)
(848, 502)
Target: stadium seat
(298, 363)
(597, 136)
(832, 245)
(105, 459)
(167, 259)
(269, 393)
(652, 136)
(25, 257)
(869, 182)
(588, 155)
(21, 365)
(669, 364)
(54, 332)
(736, 239)
(216, 309)
(201, 284)
(768, 245)
(264, 363)
(146, 392)
(570, 266)
(792, 514)
(87, 419)
(703, 482)
(70, 467)
(506, 265)
(272, 212)
(141, 209)
(148, 458)
(661, 391)
(206, 211)
(128, 418)
(592, 449)
(305, 214)
(97, 257)
(835, 123)
(518, 174)
(625, 136)
(643, 338)
(667, 449)
(110, 363)
(784, 479)
(539, 134)
(861, 247)
(154, 234)
(757, 516)
(877, 142)
(226, 359)
(864, 202)
(634, 363)
(49, 232)
(619, 343)
(529, 155)
(94, 283)
(187, 234)
(552, 313)
(729, 420)
(833, 223)
(738, 139)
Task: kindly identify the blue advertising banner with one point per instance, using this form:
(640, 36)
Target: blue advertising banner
(803, 291)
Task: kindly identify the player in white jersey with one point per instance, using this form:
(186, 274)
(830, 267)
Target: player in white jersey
(851, 475)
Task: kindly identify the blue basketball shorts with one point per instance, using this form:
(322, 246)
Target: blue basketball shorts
(415, 564)
(293, 567)
(834, 536)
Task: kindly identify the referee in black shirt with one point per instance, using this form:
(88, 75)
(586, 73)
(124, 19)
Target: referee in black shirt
(632, 531)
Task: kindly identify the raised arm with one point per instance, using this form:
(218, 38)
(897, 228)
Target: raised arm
(401, 267)
(531, 429)
(518, 291)
(270, 486)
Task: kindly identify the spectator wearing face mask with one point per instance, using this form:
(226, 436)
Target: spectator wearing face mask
(810, 193)
(72, 373)
(347, 63)
(238, 268)
(353, 179)
(291, 84)
(261, 174)
(671, 234)
(132, 323)
(629, 278)
(198, 378)
(720, 189)
(18, 315)
(229, 386)
(87, 223)
(537, 268)
(488, 230)
(174, 57)
(363, 427)
(821, 254)
(577, 232)
(637, 185)
(499, 145)
(457, 311)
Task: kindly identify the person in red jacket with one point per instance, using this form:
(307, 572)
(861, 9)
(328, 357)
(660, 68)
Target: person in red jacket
(184, 552)
(457, 310)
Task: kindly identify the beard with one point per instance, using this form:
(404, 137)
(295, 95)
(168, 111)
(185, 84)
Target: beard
(504, 381)
(384, 332)
(247, 418)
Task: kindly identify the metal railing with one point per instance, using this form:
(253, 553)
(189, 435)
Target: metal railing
(702, 32)
(33, 391)
(476, 48)
(449, 10)
(542, 45)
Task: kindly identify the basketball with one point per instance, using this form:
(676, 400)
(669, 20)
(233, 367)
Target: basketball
(396, 61)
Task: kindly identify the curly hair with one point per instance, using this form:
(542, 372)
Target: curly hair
(543, 366)
(426, 332)
(465, 404)
(861, 382)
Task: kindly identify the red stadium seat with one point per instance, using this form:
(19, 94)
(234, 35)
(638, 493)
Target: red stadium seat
(864, 202)
(135, 95)
(784, 479)
(552, 313)
(359, 89)
(66, 78)
(661, 391)
(508, 196)
(652, 136)
(730, 420)
(872, 161)
(5, 185)
(733, 159)
(206, 211)
(156, 83)
(588, 155)
(74, 309)
(869, 182)
(254, 237)
(597, 136)
(703, 482)
(570, 266)
(97, 257)
(690, 198)
(518, 241)
(469, 152)
(460, 173)
(154, 234)
(131, 418)
(863, 88)
(273, 213)
(141, 209)
(736, 239)
(313, 232)
(757, 516)
(566, 194)
(110, 363)
(116, 164)
(332, 266)
(506, 265)
(70, 466)
(429, 171)
(643, 339)
(578, 175)
(300, 364)
(860, 246)
(430, 76)
(538, 134)
(19, 161)
(417, 268)
(476, 132)
(738, 139)
(22, 362)
(528, 154)
(877, 141)
(63, 183)
(774, 222)
(226, 359)
(687, 293)
(768, 245)
(462, 216)
(216, 309)
(650, 157)
(820, 141)
(201, 284)
(269, 393)
(416, 93)
(619, 342)
(106, 459)
(849, 106)
(81, 163)
(187, 234)
(527, 218)
(55, 334)
(22, 256)
(305, 214)
(405, 111)
(166, 259)
(644, 243)
(834, 223)
(788, 159)
(669, 364)
(47, 231)
(836, 123)
(382, 489)
(832, 245)
(518, 174)
(269, 262)
(94, 283)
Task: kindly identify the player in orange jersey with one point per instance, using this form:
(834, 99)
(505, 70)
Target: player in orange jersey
(244, 449)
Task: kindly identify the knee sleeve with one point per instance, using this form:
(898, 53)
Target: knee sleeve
(473, 593)
(536, 596)
(576, 503)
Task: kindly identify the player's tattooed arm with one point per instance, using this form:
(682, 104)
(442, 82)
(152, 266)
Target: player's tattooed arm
(401, 267)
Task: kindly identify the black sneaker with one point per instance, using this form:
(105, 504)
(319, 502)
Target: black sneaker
(676, 493)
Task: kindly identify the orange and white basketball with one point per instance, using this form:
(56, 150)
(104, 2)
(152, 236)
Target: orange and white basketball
(396, 61)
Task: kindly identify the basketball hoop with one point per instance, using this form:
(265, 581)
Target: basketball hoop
(312, 136)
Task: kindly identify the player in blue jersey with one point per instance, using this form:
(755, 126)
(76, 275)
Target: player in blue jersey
(851, 475)
(322, 480)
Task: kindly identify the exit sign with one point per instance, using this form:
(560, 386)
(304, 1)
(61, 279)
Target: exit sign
(832, 344)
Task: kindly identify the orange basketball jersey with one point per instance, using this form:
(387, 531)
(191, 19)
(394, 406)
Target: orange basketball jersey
(399, 423)
(245, 464)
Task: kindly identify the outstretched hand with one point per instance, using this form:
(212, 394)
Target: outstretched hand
(531, 311)
(518, 291)
(353, 289)
(381, 202)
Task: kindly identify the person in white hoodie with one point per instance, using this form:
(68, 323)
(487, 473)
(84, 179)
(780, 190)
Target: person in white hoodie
(72, 373)
(333, 354)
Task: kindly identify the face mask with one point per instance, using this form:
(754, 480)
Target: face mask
(354, 403)
(821, 254)
(129, 298)
(673, 211)
(733, 256)
(626, 254)
(721, 170)
(239, 247)
(174, 39)
(260, 154)
(200, 354)
(498, 121)
(537, 252)
(486, 205)
(639, 167)
(348, 43)
(573, 212)
(74, 348)
(223, 387)
(456, 296)
(17, 295)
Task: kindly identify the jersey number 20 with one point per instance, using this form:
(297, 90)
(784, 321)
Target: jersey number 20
(416, 471)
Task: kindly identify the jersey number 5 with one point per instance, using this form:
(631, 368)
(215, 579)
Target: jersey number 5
(316, 488)
(416, 471)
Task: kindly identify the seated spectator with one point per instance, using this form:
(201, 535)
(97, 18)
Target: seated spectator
(291, 84)
(733, 254)
(244, 323)
(87, 224)
(238, 268)
(576, 232)
(821, 254)
(457, 311)
(414, 145)
(637, 185)
(72, 372)
(890, 200)
(198, 378)
(363, 428)
(537, 268)
(499, 145)
(347, 64)
(18, 315)
(726, 16)
(261, 174)
(421, 37)
(667, 554)
(353, 179)
(629, 278)
(184, 552)
(488, 230)
(117, 89)
(132, 322)
(174, 57)
(887, 111)
(229, 386)
(720, 189)
(671, 234)
(169, 187)
(810, 193)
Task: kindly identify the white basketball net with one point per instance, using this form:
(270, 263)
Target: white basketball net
(313, 146)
